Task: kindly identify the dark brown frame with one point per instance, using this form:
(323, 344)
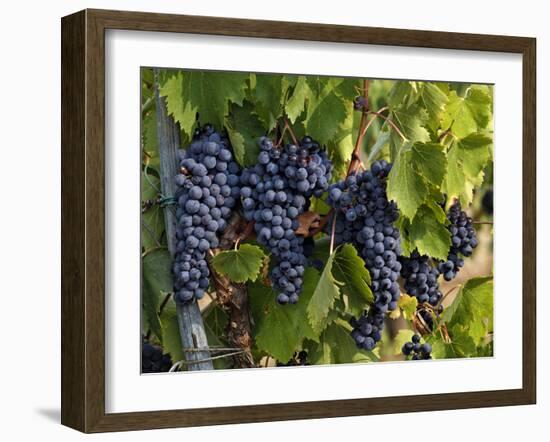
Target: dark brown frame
(83, 216)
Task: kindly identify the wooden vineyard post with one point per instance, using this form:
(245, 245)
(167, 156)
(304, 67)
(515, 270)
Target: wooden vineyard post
(190, 323)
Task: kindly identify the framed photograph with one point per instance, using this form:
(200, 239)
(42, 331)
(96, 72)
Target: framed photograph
(266, 221)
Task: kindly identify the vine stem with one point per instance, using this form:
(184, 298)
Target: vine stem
(332, 233)
(390, 122)
(290, 131)
(280, 133)
(444, 135)
(483, 222)
(355, 159)
(449, 292)
(161, 308)
(246, 233)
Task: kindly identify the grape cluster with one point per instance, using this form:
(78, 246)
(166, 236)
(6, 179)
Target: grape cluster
(416, 350)
(273, 194)
(361, 103)
(367, 330)
(463, 241)
(298, 359)
(421, 278)
(365, 217)
(153, 359)
(207, 190)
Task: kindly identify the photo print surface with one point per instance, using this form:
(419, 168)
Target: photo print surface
(300, 220)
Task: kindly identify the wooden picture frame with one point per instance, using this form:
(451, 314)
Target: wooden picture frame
(83, 219)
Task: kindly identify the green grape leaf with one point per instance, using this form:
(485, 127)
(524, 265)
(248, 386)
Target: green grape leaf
(215, 326)
(434, 99)
(408, 305)
(157, 281)
(209, 94)
(152, 220)
(404, 224)
(322, 249)
(341, 146)
(240, 265)
(325, 110)
(439, 347)
(171, 341)
(244, 128)
(462, 345)
(403, 93)
(149, 132)
(349, 88)
(472, 309)
(336, 346)
(382, 141)
(455, 184)
(279, 330)
(466, 115)
(476, 153)
(430, 161)
(411, 121)
(152, 228)
(269, 95)
(318, 86)
(322, 300)
(466, 160)
(349, 268)
(405, 185)
(296, 103)
(430, 236)
(181, 110)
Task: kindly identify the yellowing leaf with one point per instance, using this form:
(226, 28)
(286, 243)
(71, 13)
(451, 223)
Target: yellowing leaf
(408, 305)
